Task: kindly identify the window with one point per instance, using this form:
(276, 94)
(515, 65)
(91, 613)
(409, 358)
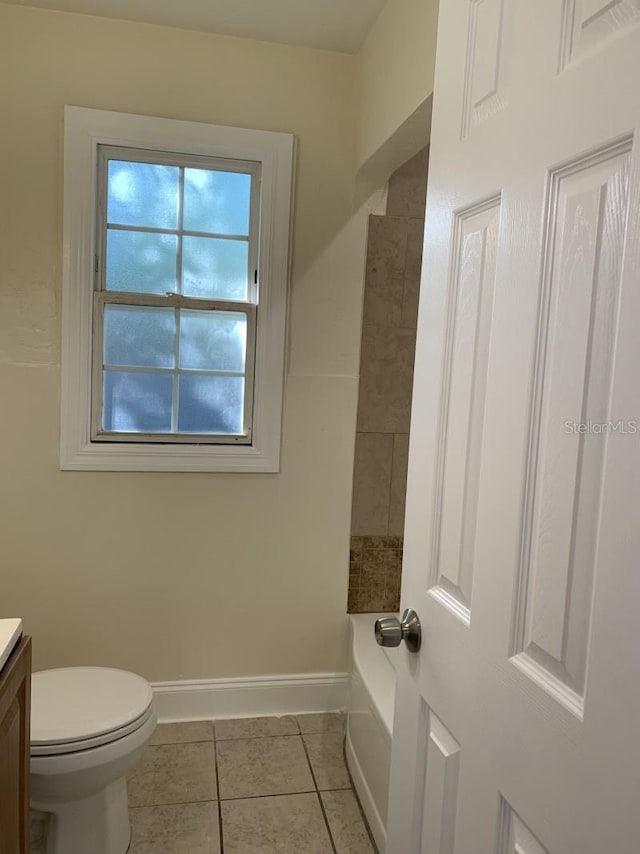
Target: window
(174, 294)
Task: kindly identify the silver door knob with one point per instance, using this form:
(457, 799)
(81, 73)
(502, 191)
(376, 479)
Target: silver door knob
(390, 631)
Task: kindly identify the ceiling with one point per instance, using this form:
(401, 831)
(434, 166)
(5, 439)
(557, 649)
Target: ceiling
(331, 24)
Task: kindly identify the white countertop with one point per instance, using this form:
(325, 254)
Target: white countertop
(10, 631)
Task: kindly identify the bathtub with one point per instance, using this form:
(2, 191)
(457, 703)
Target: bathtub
(370, 722)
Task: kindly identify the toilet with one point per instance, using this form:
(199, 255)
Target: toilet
(89, 727)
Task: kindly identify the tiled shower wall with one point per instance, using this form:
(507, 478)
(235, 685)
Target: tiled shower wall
(394, 258)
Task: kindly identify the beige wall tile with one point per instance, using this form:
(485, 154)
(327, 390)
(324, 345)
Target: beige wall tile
(387, 239)
(380, 580)
(415, 241)
(371, 483)
(386, 380)
(374, 579)
(383, 293)
(411, 291)
(398, 484)
(408, 187)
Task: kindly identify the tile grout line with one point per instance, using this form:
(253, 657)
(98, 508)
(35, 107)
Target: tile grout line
(257, 737)
(215, 766)
(239, 738)
(326, 821)
(173, 804)
(318, 795)
(243, 798)
(355, 795)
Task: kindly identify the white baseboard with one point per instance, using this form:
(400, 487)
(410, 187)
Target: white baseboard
(203, 699)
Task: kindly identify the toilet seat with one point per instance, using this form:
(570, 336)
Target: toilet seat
(79, 708)
(59, 748)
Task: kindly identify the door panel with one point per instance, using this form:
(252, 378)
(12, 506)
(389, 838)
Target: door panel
(483, 90)
(442, 752)
(515, 837)
(585, 237)
(467, 347)
(589, 23)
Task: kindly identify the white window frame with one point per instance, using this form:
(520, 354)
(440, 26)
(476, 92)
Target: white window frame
(85, 131)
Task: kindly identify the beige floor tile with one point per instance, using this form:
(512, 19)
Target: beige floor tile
(331, 722)
(326, 755)
(262, 766)
(289, 824)
(180, 733)
(256, 727)
(175, 829)
(347, 826)
(173, 774)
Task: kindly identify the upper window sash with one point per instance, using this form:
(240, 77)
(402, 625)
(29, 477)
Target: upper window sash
(131, 154)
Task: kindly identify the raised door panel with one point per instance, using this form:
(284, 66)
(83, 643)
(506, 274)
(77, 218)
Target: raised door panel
(514, 836)
(587, 219)
(484, 91)
(441, 754)
(462, 412)
(589, 25)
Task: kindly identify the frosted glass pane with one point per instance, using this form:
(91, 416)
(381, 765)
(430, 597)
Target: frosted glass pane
(141, 261)
(217, 202)
(141, 337)
(213, 340)
(142, 194)
(215, 268)
(210, 404)
(136, 402)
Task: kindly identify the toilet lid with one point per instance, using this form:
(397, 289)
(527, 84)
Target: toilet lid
(74, 704)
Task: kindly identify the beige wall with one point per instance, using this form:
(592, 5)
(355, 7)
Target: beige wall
(153, 571)
(395, 72)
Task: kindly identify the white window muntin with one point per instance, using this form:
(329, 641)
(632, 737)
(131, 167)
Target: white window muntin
(177, 300)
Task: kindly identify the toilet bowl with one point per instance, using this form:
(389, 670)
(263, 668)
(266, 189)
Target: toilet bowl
(89, 727)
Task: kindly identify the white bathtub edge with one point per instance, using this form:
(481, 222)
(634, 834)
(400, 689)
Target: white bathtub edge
(375, 665)
(370, 722)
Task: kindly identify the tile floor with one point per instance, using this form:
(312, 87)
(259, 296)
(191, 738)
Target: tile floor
(252, 786)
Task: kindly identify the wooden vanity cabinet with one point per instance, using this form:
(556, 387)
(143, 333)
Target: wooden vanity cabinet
(15, 711)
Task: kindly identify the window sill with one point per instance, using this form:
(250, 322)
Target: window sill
(98, 456)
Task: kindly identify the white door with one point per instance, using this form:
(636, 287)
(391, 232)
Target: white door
(517, 725)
